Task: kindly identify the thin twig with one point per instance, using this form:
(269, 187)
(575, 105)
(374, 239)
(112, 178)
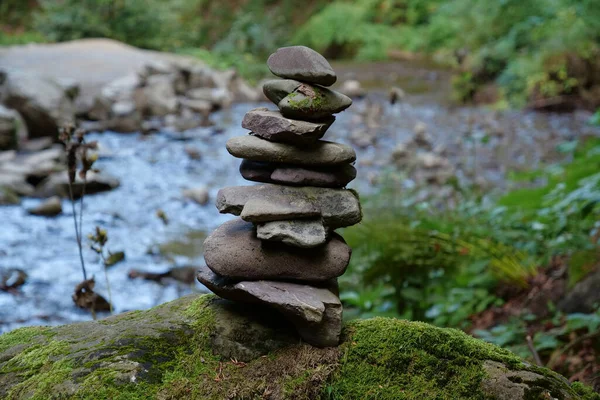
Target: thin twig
(77, 231)
(81, 203)
(110, 306)
(536, 355)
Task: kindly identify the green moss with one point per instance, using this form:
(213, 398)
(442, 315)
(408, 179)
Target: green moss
(21, 336)
(585, 392)
(392, 359)
(307, 103)
(167, 353)
(39, 367)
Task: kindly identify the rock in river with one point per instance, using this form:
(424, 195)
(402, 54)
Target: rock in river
(49, 208)
(234, 251)
(301, 63)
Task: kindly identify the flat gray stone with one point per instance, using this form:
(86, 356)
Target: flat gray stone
(301, 63)
(315, 312)
(273, 126)
(234, 251)
(320, 153)
(305, 101)
(276, 208)
(334, 177)
(305, 233)
(336, 207)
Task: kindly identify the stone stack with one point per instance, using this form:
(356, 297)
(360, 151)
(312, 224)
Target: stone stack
(283, 251)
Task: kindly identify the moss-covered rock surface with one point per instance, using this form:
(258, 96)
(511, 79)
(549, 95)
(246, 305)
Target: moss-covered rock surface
(200, 347)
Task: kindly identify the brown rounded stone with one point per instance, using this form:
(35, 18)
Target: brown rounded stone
(234, 251)
(296, 175)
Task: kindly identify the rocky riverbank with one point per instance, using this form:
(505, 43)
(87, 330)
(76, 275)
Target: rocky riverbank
(109, 85)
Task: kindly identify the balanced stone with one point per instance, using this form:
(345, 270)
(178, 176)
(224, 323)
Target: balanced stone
(273, 126)
(304, 101)
(320, 153)
(234, 251)
(315, 312)
(301, 63)
(336, 207)
(305, 233)
(334, 177)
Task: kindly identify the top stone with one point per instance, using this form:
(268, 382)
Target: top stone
(303, 64)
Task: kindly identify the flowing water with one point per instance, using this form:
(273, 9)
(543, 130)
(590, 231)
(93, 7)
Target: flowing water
(154, 170)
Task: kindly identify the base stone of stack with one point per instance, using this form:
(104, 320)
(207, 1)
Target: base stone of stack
(316, 312)
(235, 252)
(298, 233)
(321, 153)
(336, 207)
(273, 126)
(332, 177)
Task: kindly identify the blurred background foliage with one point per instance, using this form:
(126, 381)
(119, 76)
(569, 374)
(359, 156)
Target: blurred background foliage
(533, 51)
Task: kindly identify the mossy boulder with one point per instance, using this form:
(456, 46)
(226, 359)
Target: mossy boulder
(200, 347)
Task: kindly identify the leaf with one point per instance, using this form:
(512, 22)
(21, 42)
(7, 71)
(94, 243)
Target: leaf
(114, 258)
(567, 147)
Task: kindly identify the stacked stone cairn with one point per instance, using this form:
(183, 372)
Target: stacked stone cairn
(283, 251)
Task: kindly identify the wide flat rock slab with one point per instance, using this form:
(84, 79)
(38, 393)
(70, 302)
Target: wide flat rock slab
(321, 153)
(305, 233)
(333, 177)
(264, 203)
(301, 63)
(304, 101)
(315, 312)
(234, 251)
(273, 126)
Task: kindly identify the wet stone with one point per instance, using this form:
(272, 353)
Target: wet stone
(334, 177)
(301, 63)
(303, 233)
(321, 153)
(273, 126)
(316, 312)
(336, 207)
(234, 251)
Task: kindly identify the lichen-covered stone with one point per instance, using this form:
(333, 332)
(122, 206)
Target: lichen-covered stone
(303, 101)
(334, 177)
(234, 251)
(273, 126)
(301, 63)
(321, 153)
(305, 233)
(336, 207)
(168, 352)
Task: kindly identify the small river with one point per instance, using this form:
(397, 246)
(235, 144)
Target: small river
(154, 170)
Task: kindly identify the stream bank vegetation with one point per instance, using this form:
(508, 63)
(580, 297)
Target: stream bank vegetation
(543, 54)
(499, 268)
(80, 161)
